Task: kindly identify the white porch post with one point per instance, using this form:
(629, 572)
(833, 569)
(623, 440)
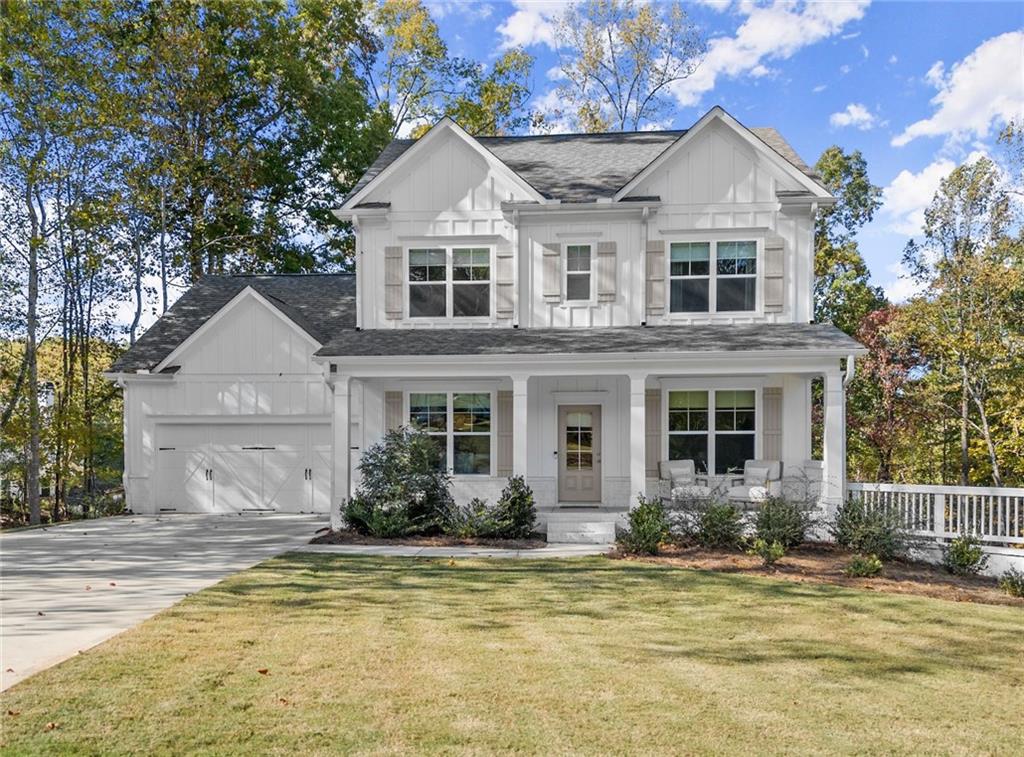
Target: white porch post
(520, 414)
(834, 485)
(341, 474)
(637, 437)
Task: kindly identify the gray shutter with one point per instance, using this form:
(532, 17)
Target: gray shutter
(393, 282)
(774, 279)
(652, 429)
(771, 420)
(606, 271)
(503, 456)
(504, 281)
(393, 411)
(655, 276)
(552, 271)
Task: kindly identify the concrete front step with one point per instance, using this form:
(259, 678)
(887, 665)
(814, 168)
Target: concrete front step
(581, 527)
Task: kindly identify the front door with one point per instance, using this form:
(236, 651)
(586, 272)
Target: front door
(579, 453)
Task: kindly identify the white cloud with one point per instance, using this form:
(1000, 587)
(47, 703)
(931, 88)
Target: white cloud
(820, 88)
(893, 60)
(719, 6)
(983, 88)
(773, 32)
(532, 23)
(907, 196)
(856, 115)
(902, 287)
(864, 50)
(844, 69)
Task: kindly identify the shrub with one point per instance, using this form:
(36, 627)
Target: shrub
(404, 488)
(648, 527)
(875, 531)
(719, 526)
(515, 512)
(782, 521)
(964, 556)
(476, 519)
(1012, 582)
(769, 552)
(385, 520)
(864, 566)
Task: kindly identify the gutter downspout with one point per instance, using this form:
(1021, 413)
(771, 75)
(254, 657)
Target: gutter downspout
(851, 364)
(359, 288)
(516, 262)
(643, 265)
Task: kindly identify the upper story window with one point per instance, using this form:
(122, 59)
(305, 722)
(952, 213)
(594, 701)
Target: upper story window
(450, 282)
(578, 260)
(730, 285)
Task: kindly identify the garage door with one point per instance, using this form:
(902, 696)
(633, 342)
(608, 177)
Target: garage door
(243, 467)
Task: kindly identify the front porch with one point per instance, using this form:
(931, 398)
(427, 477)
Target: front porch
(587, 432)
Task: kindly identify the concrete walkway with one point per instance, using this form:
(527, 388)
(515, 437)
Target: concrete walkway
(387, 550)
(66, 588)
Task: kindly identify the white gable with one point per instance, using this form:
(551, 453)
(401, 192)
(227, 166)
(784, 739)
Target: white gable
(447, 174)
(716, 166)
(247, 337)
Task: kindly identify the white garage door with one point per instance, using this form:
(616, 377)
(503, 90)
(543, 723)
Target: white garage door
(243, 467)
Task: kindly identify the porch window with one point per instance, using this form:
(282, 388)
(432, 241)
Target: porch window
(450, 283)
(689, 276)
(736, 276)
(577, 272)
(688, 427)
(721, 445)
(734, 430)
(460, 423)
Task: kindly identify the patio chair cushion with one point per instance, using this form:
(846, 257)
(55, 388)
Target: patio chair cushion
(690, 492)
(748, 493)
(755, 476)
(677, 472)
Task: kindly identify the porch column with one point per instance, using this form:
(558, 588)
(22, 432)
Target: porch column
(637, 437)
(340, 447)
(521, 434)
(834, 484)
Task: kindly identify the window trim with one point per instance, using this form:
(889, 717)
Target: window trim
(449, 284)
(699, 385)
(450, 426)
(712, 278)
(590, 273)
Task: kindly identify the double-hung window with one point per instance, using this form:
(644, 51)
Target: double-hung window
(722, 445)
(689, 276)
(460, 423)
(578, 260)
(736, 276)
(450, 282)
(712, 277)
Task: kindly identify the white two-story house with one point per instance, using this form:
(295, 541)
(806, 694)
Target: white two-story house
(571, 308)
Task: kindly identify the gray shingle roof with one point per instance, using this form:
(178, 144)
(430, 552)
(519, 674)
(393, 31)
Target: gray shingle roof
(625, 339)
(581, 167)
(323, 305)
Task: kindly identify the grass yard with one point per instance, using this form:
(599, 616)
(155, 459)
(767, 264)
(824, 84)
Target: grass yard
(591, 655)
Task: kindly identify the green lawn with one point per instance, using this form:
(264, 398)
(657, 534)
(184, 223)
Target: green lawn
(398, 655)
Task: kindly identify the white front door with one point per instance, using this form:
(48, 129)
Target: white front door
(579, 453)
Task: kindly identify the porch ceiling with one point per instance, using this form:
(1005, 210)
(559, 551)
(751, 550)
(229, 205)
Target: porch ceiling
(794, 338)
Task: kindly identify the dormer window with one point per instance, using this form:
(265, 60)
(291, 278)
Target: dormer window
(450, 282)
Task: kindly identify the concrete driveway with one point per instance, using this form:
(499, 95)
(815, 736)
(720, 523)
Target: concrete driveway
(66, 588)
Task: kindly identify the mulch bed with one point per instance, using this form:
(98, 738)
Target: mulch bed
(824, 563)
(351, 537)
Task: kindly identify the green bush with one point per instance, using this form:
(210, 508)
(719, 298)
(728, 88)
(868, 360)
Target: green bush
(515, 511)
(404, 488)
(719, 526)
(1012, 582)
(475, 519)
(383, 520)
(964, 556)
(864, 566)
(648, 527)
(769, 552)
(876, 530)
(782, 521)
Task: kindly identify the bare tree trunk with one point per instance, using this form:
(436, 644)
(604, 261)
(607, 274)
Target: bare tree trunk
(163, 249)
(138, 288)
(986, 433)
(32, 389)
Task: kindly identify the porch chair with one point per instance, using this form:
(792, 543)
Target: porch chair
(761, 479)
(677, 479)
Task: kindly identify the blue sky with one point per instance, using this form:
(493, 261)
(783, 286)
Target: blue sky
(917, 87)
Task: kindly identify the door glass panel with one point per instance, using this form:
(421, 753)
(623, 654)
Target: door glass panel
(579, 441)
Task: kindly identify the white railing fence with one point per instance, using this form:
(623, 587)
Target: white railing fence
(994, 515)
